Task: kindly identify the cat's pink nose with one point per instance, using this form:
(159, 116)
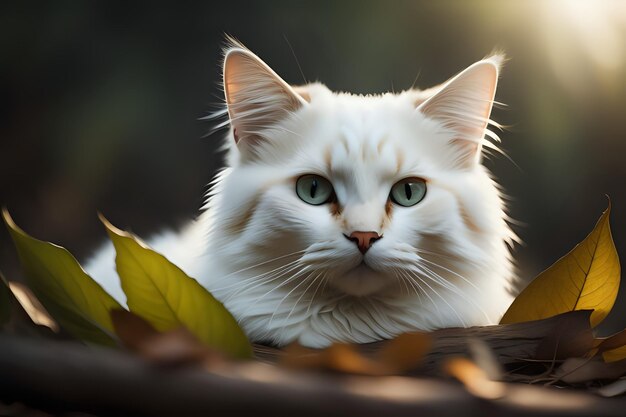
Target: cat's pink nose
(363, 240)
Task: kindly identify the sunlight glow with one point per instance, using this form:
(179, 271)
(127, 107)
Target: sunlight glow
(585, 37)
(598, 25)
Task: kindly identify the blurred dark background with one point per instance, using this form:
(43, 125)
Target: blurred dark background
(100, 104)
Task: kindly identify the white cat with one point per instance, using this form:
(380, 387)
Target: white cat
(349, 218)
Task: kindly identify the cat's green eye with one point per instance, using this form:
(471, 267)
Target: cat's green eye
(408, 192)
(313, 189)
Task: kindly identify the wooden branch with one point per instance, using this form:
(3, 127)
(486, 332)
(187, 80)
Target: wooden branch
(66, 376)
(559, 337)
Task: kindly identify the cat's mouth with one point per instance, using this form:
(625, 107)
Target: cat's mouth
(360, 281)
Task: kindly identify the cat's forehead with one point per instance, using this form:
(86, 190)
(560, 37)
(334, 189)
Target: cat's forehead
(379, 134)
(357, 152)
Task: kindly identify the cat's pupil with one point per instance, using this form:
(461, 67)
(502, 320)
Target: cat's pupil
(407, 191)
(313, 188)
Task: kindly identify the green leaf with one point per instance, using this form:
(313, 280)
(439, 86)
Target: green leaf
(163, 294)
(71, 296)
(587, 278)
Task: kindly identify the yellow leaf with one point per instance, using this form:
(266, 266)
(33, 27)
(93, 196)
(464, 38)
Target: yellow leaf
(587, 278)
(163, 294)
(71, 296)
(613, 348)
(614, 355)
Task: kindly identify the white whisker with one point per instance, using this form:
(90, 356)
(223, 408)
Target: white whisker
(324, 277)
(286, 319)
(455, 289)
(401, 280)
(450, 271)
(290, 279)
(415, 275)
(278, 275)
(287, 296)
(264, 263)
(256, 277)
(418, 288)
(259, 277)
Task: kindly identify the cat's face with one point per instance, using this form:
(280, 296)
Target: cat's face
(377, 196)
(356, 150)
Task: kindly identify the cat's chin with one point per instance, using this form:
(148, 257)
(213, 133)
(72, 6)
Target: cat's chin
(360, 281)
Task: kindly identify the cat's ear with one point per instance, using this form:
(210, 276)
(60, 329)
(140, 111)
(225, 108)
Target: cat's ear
(256, 96)
(463, 104)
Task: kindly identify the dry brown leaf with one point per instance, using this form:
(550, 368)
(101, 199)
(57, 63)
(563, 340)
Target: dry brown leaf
(474, 378)
(614, 341)
(405, 352)
(174, 347)
(132, 330)
(573, 338)
(614, 389)
(177, 347)
(577, 370)
(485, 358)
(339, 357)
(613, 348)
(396, 356)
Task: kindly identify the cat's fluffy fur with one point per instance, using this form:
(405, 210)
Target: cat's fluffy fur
(285, 269)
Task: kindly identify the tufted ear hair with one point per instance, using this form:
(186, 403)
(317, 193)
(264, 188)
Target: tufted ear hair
(463, 104)
(257, 98)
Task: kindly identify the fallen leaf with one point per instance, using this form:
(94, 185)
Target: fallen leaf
(614, 389)
(474, 378)
(405, 352)
(614, 355)
(577, 370)
(174, 347)
(396, 356)
(485, 358)
(132, 330)
(587, 278)
(339, 357)
(180, 347)
(32, 306)
(71, 296)
(613, 348)
(614, 341)
(573, 337)
(163, 294)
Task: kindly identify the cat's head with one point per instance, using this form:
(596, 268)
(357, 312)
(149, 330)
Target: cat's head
(357, 195)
